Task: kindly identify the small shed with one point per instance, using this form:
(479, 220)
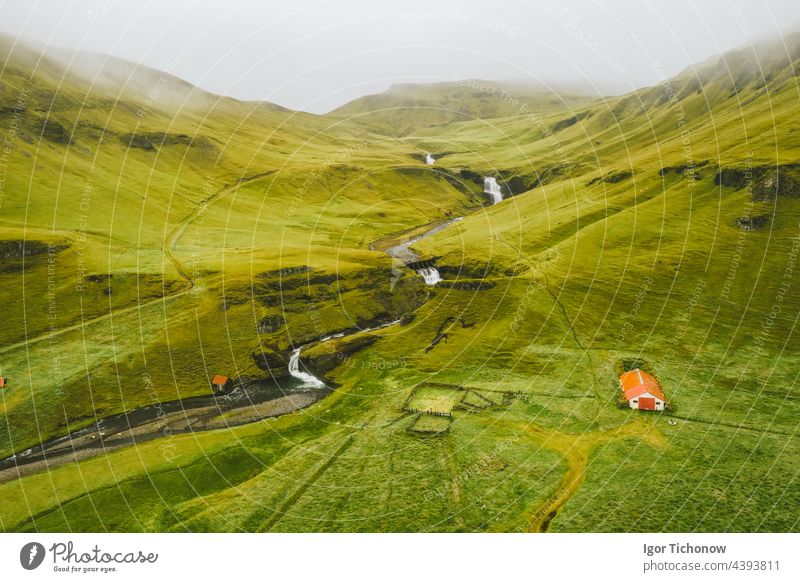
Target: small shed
(642, 391)
(3, 381)
(220, 384)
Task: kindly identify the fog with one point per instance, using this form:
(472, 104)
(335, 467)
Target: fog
(317, 55)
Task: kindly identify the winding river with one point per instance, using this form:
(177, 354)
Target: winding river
(249, 401)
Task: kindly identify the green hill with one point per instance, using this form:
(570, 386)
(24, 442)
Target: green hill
(149, 244)
(405, 108)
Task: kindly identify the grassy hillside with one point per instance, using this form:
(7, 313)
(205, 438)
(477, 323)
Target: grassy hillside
(126, 222)
(659, 229)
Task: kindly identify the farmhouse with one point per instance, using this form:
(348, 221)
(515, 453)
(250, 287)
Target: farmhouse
(642, 391)
(220, 384)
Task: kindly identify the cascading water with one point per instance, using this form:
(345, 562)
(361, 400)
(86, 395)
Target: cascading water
(430, 274)
(311, 381)
(306, 378)
(429, 159)
(492, 188)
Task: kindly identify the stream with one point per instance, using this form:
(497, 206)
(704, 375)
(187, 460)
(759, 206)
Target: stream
(249, 401)
(403, 252)
(307, 379)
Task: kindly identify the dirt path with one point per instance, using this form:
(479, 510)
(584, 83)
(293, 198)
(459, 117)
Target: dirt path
(167, 248)
(86, 322)
(577, 450)
(570, 325)
(577, 461)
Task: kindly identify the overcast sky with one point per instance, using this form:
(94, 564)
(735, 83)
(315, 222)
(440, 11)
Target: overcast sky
(314, 55)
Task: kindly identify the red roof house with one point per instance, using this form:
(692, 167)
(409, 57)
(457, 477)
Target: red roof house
(642, 391)
(220, 383)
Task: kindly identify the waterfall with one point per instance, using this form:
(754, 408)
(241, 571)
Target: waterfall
(492, 188)
(429, 160)
(311, 381)
(306, 378)
(431, 275)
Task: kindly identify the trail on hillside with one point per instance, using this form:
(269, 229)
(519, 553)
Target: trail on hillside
(571, 327)
(577, 462)
(576, 450)
(167, 248)
(557, 300)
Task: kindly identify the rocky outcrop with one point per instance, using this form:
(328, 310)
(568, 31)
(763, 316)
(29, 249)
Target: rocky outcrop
(271, 361)
(53, 131)
(326, 356)
(750, 223)
(270, 323)
(286, 271)
(467, 271)
(765, 182)
(468, 284)
(611, 178)
(570, 121)
(686, 170)
(149, 141)
(16, 249)
(468, 174)
(783, 181)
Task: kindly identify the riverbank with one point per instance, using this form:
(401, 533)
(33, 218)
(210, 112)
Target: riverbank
(251, 400)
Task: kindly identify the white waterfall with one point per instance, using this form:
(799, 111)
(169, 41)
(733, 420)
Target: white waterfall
(431, 275)
(429, 160)
(312, 381)
(306, 378)
(492, 188)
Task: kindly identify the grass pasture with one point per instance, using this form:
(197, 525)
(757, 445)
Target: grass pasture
(429, 424)
(434, 400)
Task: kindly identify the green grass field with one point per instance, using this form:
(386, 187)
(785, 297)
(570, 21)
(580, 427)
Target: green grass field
(149, 244)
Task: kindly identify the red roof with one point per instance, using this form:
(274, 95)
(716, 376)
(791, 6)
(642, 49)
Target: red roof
(635, 383)
(2, 382)
(218, 379)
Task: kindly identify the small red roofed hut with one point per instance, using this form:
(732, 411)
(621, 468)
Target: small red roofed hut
(642, 391)
(220, 384)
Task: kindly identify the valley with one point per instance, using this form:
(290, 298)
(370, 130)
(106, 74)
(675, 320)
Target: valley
(424, 300)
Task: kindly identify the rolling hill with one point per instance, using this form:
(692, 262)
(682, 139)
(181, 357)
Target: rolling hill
(405, 108)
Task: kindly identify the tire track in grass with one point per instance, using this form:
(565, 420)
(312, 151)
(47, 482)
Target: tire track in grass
(455, 474)
(726, 425)
(556, 299)
(280, 512)
(329, 520)
(387, 500)
(577, 449)
(577, 461)
(569, 322)
(199, 461)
